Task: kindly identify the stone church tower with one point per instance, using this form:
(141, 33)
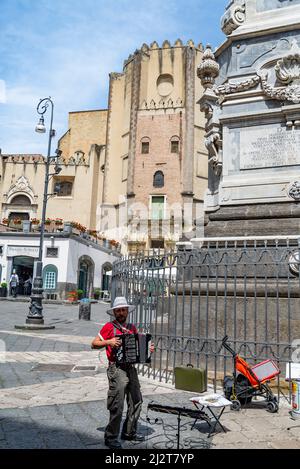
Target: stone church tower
(155, 152)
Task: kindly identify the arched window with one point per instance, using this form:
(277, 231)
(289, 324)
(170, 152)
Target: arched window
(159, 179)
(145, 150)
(175, 144)
(21, 200)
(50, 277)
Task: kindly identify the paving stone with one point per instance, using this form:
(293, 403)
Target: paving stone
(13, 413)
(230, 437)
(45, 412)
(62, 440)
(4, 444)
(71, 409)
(289, 444)
(28, 440)
(15, 425)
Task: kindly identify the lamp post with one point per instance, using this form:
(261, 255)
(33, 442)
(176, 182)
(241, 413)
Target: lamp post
(35, 316)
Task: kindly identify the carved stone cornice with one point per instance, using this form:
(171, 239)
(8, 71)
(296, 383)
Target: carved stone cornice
(234, 17)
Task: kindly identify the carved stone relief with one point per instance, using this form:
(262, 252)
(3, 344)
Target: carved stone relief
(214, 144)
(229, 88)
(294, 191)
(287, 71)
(234, 17)
(21, 185)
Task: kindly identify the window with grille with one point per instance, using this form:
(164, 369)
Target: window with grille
(159, 179)
(174, 147)
(50, 274)
(52, 252)
(63, 188)
(145, 148)
(50, 280)
(175, 144)
(145, 145)
(157, 244)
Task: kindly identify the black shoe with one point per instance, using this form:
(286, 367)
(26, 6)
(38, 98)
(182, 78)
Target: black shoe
(135, 437)
(113, 444)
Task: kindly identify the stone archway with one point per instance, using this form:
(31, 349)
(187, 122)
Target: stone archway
(19, 209)
(86, 271)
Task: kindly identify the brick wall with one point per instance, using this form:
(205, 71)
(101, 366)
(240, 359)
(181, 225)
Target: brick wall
(160, 129)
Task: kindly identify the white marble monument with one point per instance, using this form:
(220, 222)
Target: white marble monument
(252, 106)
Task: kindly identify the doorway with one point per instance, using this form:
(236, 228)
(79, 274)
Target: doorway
(86, 269)
(83, 278)
(24, 269)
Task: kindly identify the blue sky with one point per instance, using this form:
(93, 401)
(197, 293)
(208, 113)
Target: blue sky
(66, 49)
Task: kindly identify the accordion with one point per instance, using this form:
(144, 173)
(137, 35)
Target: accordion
(135, 348)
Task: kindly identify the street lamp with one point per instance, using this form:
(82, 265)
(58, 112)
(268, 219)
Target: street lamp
(35, 316)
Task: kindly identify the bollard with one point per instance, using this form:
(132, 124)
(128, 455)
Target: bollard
(296, 399)
(85, 310)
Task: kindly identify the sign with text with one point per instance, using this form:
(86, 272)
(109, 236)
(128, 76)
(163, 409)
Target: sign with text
(269, 147)
(24, 251)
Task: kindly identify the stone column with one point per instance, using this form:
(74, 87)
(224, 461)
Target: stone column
(189, 144)
(135, 97)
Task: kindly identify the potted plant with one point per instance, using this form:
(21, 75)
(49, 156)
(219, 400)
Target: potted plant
(5, 221)
(35, 221)
(59, 222)
(72, 296)
(17, 222)
(80, 294)
(3, 290)
(48, 221)
(97, 293)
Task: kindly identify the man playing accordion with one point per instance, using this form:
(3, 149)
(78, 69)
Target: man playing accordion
(122, 377)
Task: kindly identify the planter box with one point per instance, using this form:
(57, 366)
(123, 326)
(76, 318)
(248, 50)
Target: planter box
(3, 292)
(67, 228)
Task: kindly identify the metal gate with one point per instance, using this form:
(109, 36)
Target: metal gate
(189, 300)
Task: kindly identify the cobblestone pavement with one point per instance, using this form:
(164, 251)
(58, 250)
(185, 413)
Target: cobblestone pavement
(44, 404)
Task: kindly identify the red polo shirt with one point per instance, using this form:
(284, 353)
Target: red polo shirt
(109, 331)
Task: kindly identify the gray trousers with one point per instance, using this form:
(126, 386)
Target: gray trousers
(123, 382)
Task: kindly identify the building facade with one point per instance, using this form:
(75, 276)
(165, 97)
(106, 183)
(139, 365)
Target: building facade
(156, 160)
(82, 156)
(135, 173)
(70, 262)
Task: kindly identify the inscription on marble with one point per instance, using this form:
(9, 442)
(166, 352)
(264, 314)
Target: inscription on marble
(269, 147)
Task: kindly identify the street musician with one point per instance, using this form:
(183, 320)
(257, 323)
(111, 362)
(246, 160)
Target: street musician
(122, 377)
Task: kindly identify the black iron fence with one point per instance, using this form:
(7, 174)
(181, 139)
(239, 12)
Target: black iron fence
(189, 300)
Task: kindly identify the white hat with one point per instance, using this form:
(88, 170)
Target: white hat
(121, 302)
